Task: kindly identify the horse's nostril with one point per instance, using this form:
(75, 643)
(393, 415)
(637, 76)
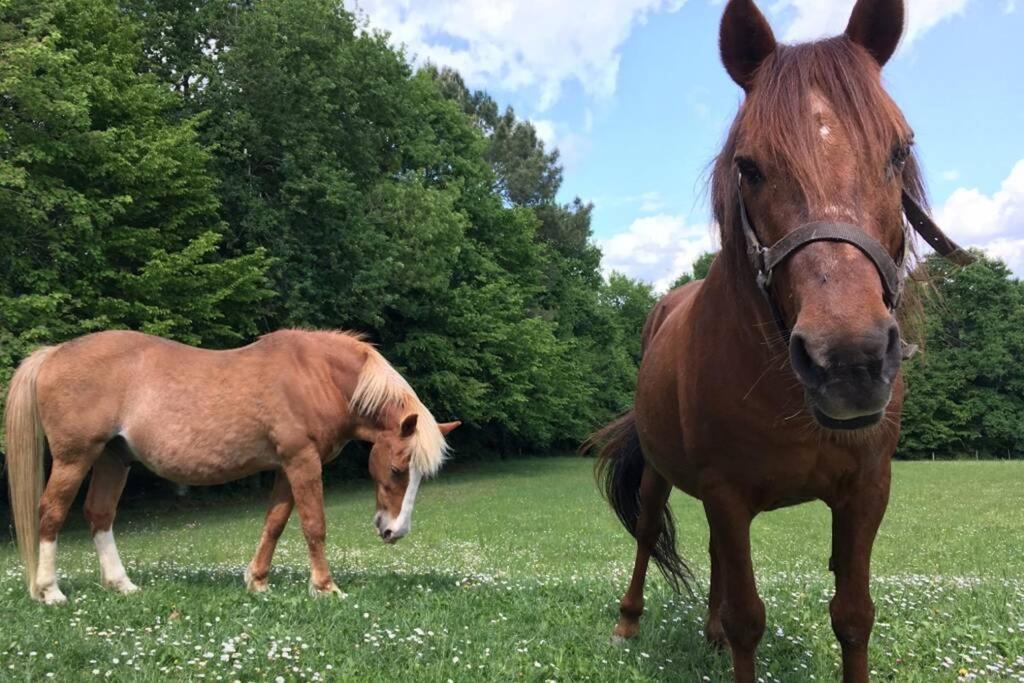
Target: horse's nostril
(803, 364)
(386, 534)
(893, 357)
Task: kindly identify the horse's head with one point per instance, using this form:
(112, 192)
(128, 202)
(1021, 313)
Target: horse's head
(398, 472)
(819, 156)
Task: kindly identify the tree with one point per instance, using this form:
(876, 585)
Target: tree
(108, 211)
(965, 393)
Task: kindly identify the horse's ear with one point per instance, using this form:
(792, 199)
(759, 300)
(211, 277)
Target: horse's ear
(409, 425)
(448, 427)
(745, 39)
(876, 25)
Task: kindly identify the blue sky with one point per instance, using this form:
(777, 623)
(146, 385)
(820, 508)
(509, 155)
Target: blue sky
(633, 95)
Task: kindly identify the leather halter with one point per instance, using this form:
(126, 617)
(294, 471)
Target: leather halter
(766, 259)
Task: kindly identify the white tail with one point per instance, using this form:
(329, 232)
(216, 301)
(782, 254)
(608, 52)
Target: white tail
(26, 444)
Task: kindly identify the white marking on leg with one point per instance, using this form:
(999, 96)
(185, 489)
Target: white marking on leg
(403, 524)
(112, 573)
(46, 575)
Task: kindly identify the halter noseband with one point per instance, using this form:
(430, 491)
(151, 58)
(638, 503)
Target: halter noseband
(765, 259)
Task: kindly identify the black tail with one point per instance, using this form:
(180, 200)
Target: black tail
(619, 469)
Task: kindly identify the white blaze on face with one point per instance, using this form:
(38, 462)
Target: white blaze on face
(400, 527)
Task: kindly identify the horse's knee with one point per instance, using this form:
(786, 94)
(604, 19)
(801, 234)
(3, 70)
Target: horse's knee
(852, 621)
(743, 622)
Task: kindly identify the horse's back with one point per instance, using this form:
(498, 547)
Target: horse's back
(669, 304)
(163, 397)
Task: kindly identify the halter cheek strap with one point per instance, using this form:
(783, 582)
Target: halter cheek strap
(765, 259)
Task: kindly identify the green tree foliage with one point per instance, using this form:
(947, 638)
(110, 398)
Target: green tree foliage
(400, 204)
(211, 169)
(108, 209)
(966, 391)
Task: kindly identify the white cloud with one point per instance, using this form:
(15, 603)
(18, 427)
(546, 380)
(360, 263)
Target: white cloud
(993, 222)
(645, 202)
(572, 147)
(518, 44)
(656, 249)
(545, 131)
(651, 202)
(819, 18)
(1010, 7)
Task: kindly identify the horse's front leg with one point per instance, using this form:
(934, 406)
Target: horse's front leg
(714, 633)
(742, 612)
(654, 493)
(854, 525)
(303, 470)
(278, 512)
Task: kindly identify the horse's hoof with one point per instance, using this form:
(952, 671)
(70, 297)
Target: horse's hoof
(123, 586)
(50, 595)
(330, 590)
(255, 585)
(624, 631)
(618, 641)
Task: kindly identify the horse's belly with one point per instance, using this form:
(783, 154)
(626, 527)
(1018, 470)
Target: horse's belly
(198, 461)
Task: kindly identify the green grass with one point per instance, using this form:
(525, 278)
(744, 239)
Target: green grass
(513, 572)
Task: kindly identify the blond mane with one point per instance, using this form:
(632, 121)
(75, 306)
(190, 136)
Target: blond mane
(380, 386)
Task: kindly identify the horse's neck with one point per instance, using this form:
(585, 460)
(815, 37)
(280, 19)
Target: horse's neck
(369, 427)
(743, 332)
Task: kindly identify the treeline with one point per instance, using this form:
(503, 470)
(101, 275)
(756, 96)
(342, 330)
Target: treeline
(965, 391)
(208, 170)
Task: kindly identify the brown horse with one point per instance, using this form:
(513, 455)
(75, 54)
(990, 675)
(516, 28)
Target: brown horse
(776, 380)
(289, 402)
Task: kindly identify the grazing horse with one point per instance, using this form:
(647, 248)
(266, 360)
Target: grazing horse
(776, 380)
(288, 402)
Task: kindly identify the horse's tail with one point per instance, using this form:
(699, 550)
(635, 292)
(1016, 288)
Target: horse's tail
(26, 444)
(619, 469)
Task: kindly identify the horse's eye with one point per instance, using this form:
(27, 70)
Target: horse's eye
(749, 170)
(900, 154)
(395, 472)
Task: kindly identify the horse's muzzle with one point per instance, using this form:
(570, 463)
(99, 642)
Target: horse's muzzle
(848, 384)
(387, 529)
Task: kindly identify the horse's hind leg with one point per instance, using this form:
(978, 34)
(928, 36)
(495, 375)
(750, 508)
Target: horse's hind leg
(108, 478)
(66, 477)
(654, 492)
(281, 504)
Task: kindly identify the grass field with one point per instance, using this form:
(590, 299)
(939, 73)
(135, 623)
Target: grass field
(513, 572)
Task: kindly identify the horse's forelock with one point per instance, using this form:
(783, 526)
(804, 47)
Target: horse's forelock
(779, 114)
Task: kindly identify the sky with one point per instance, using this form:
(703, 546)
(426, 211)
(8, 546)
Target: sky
(634, 96)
